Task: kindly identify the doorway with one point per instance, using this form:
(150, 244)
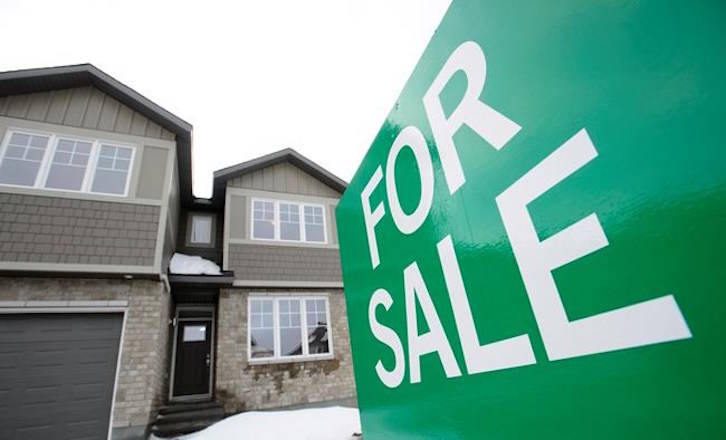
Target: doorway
(192, 363)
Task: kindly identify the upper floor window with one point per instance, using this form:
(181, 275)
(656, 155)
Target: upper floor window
(22, 158)
(201, 229)
(288, 221)
(69, 165)
(65, 163)
(112, 170)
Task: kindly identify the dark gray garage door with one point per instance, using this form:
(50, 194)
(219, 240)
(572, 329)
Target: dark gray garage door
(57, 374)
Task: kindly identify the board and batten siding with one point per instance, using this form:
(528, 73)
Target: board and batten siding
(83, 107)
(286, 178)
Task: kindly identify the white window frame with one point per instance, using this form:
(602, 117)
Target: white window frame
(276, 220)
(277, 358)
(47, 161)
(208, 217)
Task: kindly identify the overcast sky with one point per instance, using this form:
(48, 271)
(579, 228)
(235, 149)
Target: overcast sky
(251, 76)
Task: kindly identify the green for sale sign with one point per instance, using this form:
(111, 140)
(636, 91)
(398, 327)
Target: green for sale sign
(533, 246)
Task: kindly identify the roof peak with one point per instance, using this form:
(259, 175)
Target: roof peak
(284, 155)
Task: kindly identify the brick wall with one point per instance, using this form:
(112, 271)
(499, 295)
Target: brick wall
(142, 377)
(59, 230)
(284, 263)
(241, 386)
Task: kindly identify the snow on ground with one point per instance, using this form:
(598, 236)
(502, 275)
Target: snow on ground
(332, 423)
(192, 265)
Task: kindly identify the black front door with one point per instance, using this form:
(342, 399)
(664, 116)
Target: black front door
(192, 365)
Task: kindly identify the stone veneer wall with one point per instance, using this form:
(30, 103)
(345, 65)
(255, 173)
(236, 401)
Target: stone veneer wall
(142, 383)
(240, 386)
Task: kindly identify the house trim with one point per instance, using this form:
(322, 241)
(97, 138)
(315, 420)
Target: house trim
(289, 284)
(44, 192)
(285, 243)
(24, 266)
(283, 196)
(226, 234)
(164, 214)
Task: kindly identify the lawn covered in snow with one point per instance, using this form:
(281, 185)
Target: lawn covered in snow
(332, 423)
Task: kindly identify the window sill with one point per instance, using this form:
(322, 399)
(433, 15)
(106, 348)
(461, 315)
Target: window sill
(298, 244)
(294, 360)
(77, 195)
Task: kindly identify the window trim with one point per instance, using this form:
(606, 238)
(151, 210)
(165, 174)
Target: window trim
(276, 220)
(212, 231)
(276, 358)
(46, 163)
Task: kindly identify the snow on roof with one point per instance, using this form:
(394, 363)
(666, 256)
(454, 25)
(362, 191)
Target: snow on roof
(181, 264)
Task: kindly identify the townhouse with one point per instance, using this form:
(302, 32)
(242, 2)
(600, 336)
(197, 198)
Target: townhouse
(98, 338)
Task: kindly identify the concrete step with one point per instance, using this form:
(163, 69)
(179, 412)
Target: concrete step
(178, 416)
(185, 407)
(168, 430)
(185, 418)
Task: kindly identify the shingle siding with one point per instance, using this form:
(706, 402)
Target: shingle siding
(284, 263)
(42, 229)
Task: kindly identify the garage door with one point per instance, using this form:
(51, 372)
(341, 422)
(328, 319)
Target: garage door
(57, 374)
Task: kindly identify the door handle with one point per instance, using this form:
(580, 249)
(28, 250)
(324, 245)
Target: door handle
(208, 359)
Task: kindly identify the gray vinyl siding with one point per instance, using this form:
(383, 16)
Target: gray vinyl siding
(332, 225)
(83, 107)
(237, 219)
(284, 177)
(284, 263)
(172, 220)
(151, 176)
(41, 229)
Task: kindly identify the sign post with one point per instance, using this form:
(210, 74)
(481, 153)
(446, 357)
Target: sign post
(533, 246)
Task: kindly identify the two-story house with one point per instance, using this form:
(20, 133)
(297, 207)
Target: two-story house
(98, 339)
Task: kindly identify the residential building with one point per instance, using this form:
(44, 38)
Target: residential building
(97, 337)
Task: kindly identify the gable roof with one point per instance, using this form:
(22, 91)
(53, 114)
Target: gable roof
(19, 82)
(286, 155)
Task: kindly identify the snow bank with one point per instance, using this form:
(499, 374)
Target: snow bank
(181, 264)
(333, 423)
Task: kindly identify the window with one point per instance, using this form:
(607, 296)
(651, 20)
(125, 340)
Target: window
(195, 333)
(112, 169)
(262, 331)
(22, 159)
(282, 328)
(263, 224)
(290, 328)
(201, 229)
(314, 226)
(68, 167)
(317, 325)
(65, 163)
(288, 221)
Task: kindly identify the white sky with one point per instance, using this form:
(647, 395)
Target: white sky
(252, 77)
